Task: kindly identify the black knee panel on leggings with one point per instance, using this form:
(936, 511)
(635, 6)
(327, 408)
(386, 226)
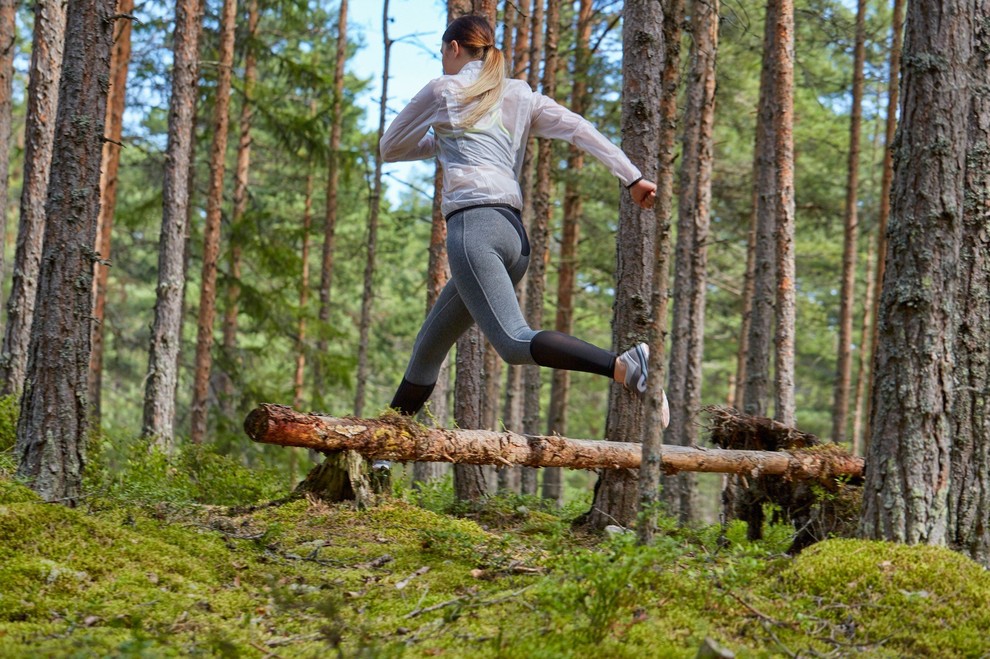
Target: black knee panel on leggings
(558, 350)
(409, 397)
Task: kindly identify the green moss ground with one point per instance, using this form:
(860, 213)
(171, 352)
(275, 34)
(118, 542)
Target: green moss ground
(306, 579)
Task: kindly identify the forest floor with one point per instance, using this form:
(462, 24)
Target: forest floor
(141, 569)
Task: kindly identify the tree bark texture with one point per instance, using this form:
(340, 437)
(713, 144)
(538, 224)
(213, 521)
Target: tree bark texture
(397, 438)
(166, 331)
(120, 58)
(8, 38)
(866, 330)
(886, 182)
(756, 385)
(847, 295)
(299, 379)
(364, 328)
(691, 260)
(54, 415)
(650, 472)
(211, 232)
(39, 135)
(333, 187)
(906, 495)
(560, 382)
(643, 50)
(242, 168)
(784, 406)
(969, 496)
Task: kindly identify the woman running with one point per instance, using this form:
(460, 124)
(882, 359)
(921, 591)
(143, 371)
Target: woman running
(480, 124)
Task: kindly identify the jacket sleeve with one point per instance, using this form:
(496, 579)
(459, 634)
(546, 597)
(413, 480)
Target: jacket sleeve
(408, 137)
(551, 120)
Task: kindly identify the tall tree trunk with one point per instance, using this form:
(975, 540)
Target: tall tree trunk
(560, 383)
(375, 203)
(242, 169)
(749, 287)
(886, 182)
(869, 302)
(166, 331)
(488, 9)
(299, 380)
(211, 232)
(39, 135)
(530, 416)
(616, 493)
(53, 422)
(784, 231)
(906, 494)
(120, 58)
(8, 39)
(843, 371)
(969, 497)
(691, 261)
(333, 185)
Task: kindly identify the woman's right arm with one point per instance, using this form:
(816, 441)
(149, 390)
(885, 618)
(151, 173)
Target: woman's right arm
(408, 137)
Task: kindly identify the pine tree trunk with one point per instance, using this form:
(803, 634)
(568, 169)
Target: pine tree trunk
(488, 9)
(242, 169)
(906, 494)
(756, 385)
(616, 493)
(843, 374)
(784, 231)
(333, 184)
(53, 422)
(166, 331)
(691, 262)
(299, 379)
(39, 135)
(862, 365)
(8, 38)
(364, 328)
(120, 58)
(560, 383)
(886, 182)
(211, 232)
(969, 496)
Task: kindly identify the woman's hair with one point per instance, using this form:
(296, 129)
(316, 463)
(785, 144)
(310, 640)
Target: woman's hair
(476, 35)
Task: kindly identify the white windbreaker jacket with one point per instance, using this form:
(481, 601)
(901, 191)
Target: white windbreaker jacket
(482, 164)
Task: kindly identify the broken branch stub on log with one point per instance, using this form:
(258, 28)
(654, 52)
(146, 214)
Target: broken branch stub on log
(400, 439)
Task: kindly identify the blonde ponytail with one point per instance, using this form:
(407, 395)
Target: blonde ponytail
(487, 89)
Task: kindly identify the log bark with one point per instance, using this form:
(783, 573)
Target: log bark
(397, 438)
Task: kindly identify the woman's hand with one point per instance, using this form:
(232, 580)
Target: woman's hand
(644, 193)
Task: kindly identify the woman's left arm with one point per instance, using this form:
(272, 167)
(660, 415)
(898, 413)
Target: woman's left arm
(408, 137)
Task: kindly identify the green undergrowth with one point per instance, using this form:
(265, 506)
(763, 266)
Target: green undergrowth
(509, 578)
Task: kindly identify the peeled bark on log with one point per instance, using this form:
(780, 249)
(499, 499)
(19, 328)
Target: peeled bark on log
(397, 438)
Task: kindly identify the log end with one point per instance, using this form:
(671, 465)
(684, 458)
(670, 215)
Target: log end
(259, 420)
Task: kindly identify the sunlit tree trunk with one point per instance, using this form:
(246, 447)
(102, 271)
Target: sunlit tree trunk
(39, 135)
(560, 383)
(333, 186)
(242, 168)
(8, 38)
(691, 259)
(616, 493)
(299, 378)
(119, 60)
(843, 371)
(54, 414)
(166, 331)
(869, 302)
(886, 182)
(211, 232)
(906, 495)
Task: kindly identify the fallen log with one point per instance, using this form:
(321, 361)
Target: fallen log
(397, 438)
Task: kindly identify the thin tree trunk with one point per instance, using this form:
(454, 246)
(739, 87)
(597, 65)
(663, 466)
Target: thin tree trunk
(616, 494)
(333, 184)
(906, 494)
(375, 203)
(886, 182)
(241, 173)
(120, 58)
(862, 364)
(560, 383)
(211, 232)
(39, 135)
(8, 39)
(694, 210)
(53, 422)
(299, 379)
(843, 371)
